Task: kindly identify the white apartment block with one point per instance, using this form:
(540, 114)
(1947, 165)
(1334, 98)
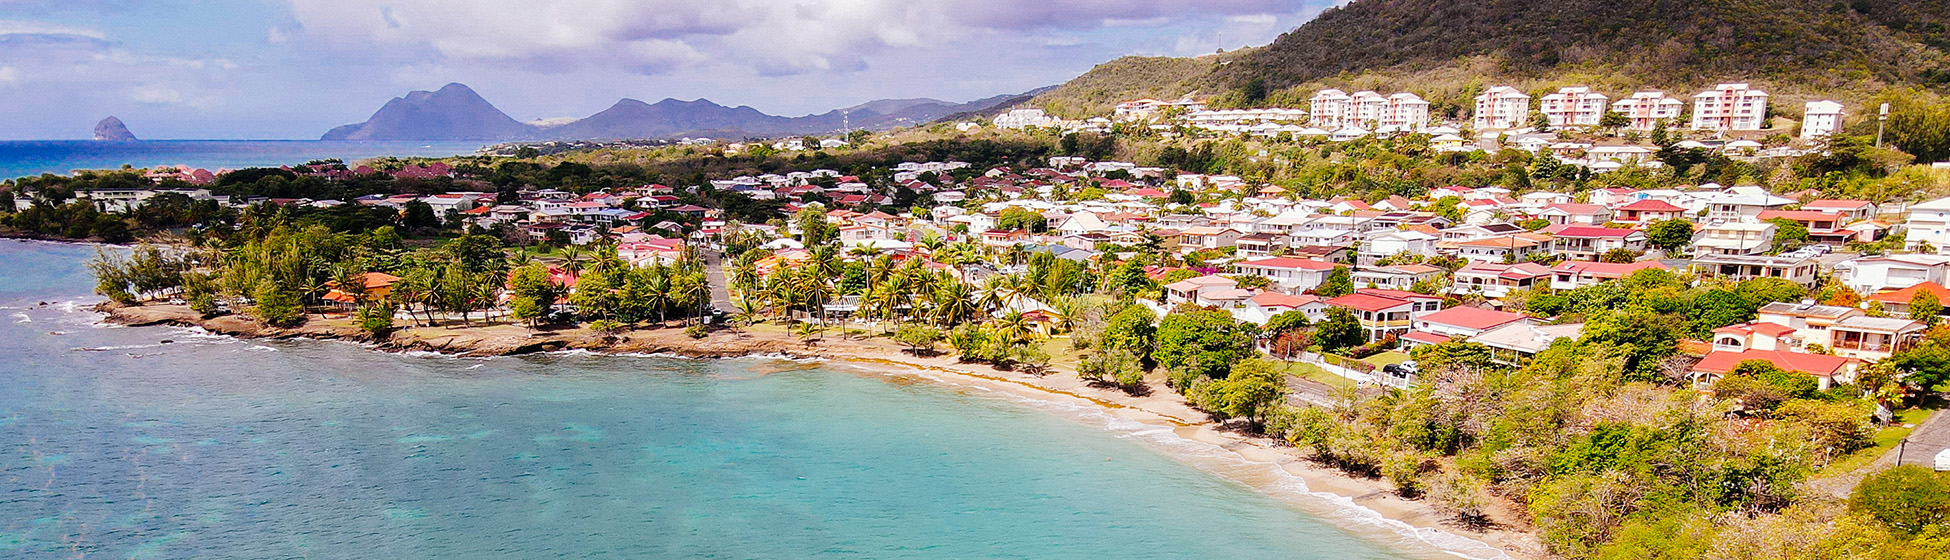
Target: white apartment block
(1330, 108)
(1646, 108)
(1366, 110)
(1929, 223)
(1822, 119)
(1574, 106)
(1729, 107)
(1406, 111)
(1023, 118)
(1502, 107)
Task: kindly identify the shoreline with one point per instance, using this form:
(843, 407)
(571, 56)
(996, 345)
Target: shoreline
(1161, 419)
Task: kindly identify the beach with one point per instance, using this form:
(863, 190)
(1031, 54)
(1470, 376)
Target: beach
(1161, 419)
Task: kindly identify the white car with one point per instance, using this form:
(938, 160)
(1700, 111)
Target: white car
(1943, 460)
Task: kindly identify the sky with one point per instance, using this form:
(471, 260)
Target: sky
(292, 69)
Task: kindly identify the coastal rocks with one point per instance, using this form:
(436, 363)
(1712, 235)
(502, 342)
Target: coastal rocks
(112, 130)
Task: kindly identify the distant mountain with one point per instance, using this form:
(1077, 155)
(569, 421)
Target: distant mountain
(456, 113)
(453, 112)
(1446, 50)
(112, 130)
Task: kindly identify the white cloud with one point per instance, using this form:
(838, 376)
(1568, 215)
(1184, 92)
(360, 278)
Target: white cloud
(20, 27)
(9, 75)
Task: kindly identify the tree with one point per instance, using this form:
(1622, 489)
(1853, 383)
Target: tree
(1763, 291)
(1249, 391)
(1202, 343)
(1340, 330)
(1670, 235)
(1908, 498)
(920, 339)
(1789, 234)
(813, 228)
(1924, 308)
(1119, 366)
(276, 306)
(376, 318)
(1718, 308)
(1339, 282)
(1619, 255)
(532, 293)
(1132, 329)
(1614, 120)
(1019, 218)
(1286, 321)
(419, 215)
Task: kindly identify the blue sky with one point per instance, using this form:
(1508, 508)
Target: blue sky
(295, 68)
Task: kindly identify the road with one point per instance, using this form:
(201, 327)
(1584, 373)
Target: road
(1930, 437)
(714, 273)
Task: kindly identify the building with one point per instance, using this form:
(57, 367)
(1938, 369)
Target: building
(1587, 243)
(1646, 109)
(1735, 238)
(1502, 107)
(1851, 209)
(1821, 119)
(1648, 210)
(1929, 223)
(1396, 242)
(1465, 322)
(1397, 277)
(1493, 280)
(1896, 302)
(1287, 274)
(1740, 204)
(1507, 248)
(1730, 107)
(1739, 268)
(1571, 275)
(1386, 312)
(1514, 344)
(1574, 106)
(1824, 227)
(1024, 118)
(1869, 275)
(1330, 108)
(1189, 289)
(1406, 112)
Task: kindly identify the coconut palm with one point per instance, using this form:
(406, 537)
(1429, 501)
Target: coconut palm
(954, 303)
(1013, 328)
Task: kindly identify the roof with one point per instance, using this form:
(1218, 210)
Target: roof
(1365, 302)
(1425, 337)
(1396, 294)
(1472, 317)
(1512, 271)
(1593, 231)
(1756, 327)
(1903, 296)
(1652, 205)
(1878, 324)
(1290, 262)
(1504, 242)
(1605, 269)
(1833, 203)
(1526, 337)
(1801, 215)
(1814, 364)
(1276, 299)
(1806, 309)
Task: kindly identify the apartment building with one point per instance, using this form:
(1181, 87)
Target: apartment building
(1406, 111)
(1646, 108)
(1330, 108)
(1502, 107)
(1821, 119)
(1730, 107)
(1574, 106)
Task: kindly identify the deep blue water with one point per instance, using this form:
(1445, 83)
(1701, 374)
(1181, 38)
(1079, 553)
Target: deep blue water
(114, 445)
(34, 157)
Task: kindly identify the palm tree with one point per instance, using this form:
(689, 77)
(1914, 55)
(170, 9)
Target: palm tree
(954, 303)
(572, 259)
(1013, 327)
(816, 288)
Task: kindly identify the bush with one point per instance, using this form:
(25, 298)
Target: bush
(1908, 498)
(920, 339)
(277, 306)
(696, 331)
(606, 326)
(377, 318)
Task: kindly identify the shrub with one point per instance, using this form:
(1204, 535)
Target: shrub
(695, 331)
(1909, 498)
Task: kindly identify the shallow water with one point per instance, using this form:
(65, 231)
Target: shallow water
(114, 444)
(33, 157)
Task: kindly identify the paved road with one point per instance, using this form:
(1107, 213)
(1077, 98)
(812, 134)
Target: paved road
(714, 273)
(1929, 438)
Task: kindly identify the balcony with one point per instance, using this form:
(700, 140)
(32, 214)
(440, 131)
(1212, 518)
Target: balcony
(1400, 324)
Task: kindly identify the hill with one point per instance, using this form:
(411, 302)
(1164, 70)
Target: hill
(455, 112)
(1447, 49)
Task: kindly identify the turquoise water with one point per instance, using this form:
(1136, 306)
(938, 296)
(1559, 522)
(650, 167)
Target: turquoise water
(34, 157)
(114, 445)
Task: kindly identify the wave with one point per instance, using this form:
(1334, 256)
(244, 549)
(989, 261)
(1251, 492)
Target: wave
(22, 318)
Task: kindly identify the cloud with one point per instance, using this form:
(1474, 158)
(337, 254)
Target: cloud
(20, 27)
(771, 37)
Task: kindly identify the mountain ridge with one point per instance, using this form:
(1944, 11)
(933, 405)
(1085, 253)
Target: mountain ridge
(456, 112)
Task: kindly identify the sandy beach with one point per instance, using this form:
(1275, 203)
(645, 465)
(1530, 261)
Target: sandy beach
(1161, 419)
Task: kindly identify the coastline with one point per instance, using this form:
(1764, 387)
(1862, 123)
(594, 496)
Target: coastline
(1161, 419)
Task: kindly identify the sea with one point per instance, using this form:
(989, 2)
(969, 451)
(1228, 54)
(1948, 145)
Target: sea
(162, 442)
(60, 157)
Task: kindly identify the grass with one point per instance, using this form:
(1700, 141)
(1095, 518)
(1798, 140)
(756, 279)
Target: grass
(1386, 358)
(1314, 373)
(1885, 440)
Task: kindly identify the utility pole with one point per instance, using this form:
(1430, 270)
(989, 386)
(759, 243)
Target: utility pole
(1899, 451)
(1880, 120)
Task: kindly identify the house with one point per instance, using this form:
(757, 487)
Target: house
(1288, 274)
(1645, 109)
(377, 286)
(1735, 238)
(1741, 204)
(1738, 268)
(1514, 344)
(1820, 119)
(1873, 338)
(1396, 242)
(1405, 112)
(1081, 223)
(1264, 305)
(1508, 248)
(1826, 369)
(1730, 107)
(1576, 214)
(1822, 226)
(1929, 227)
(1465, 322)
(1647, 211)
(1574, 106)
(1589, 242)
(1207, 237)
(1330, 108)
(1495, 280)
(1259, 244)
(1869, 275)
(1896, 302)
(1851, 210)
(1612, 197)
(1188, 289)
(1397, 277)
(1502, 107)
(1571, 275)
(1379, 316)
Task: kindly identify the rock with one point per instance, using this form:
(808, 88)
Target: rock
(112, 130)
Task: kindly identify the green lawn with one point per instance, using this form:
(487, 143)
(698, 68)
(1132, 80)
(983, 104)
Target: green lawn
(1314, 373)
(1386, 358)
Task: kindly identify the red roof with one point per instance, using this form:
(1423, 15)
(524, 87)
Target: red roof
(1147, 192)
(1802, 215)
(1832, 203)
(1472, 318)
(1605, 269)
(1652, 205)
(1365, 302)
(1593, 231)
(1769, 329)
(1903, 296)
(1276, 299)
(1814, 364)
(1396, 294)
(1425, 337)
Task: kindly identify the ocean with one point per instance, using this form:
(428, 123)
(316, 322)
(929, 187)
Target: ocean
(34, 157)
(158, 442)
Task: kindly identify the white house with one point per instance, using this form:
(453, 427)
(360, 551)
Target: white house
(1023, 118)
(1396, 242)
(1869, 275)
(1929, 222)
(1287, 274)
(1502, 107)
(1730, 107)
(1574, 106)
(1822, 118)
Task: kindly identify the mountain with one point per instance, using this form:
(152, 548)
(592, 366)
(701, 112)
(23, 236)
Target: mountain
(112, 130)
(453, 112)
(1798, 47)
(457, 113)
